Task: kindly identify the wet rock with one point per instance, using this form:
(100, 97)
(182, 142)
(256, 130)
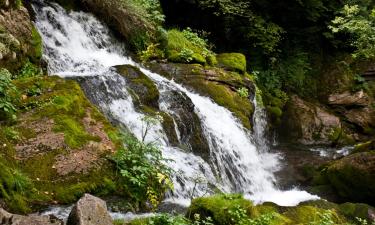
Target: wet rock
(359, 98)
(143, 87)
(309, 123)
(189, 127)
(90, 210)
(13, 219)
(220, 85)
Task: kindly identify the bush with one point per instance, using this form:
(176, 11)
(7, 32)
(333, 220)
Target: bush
(143, 170)
(7, 109)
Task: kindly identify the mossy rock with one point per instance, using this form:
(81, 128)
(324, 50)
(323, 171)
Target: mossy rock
(142, 85)
(301, 215)
(232, 61)
(60, 143)
(181, 50)
(218, 84)
(217, 207)
(353, 177)
(364, 147)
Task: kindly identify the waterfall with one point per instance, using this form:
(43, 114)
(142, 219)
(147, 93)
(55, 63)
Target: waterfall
(77, 45)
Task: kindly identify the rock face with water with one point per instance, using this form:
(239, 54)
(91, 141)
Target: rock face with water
(218, 84)
(90, 210)
(13, 219)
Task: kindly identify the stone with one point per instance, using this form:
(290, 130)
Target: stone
(353, 177)
(90, 210)
(309, 123)
(346, 98)
(7, 218)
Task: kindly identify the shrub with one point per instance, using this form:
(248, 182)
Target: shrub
(7, 109)
(243, 92)
(143, 170)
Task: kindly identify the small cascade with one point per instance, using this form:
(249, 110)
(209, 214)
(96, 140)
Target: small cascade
(78, 46)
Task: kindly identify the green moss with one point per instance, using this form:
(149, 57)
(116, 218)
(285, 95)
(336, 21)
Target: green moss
(232, 61)
(352, 178)
(141, 85)
(217, 207)
(37, 46)
(312, 215)
(74, 133)
(178, 44)
(353, 210)
(364, 147)
(222, 95)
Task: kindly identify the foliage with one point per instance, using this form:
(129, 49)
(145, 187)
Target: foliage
(243, 92)
(28, 70)
(7, 109)
(148, 9)
(187, 46)
(360, 24)
(152, 52)
(142, 167)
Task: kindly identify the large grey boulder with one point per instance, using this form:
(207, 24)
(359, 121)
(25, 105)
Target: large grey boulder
(13, 219)
(90, 210)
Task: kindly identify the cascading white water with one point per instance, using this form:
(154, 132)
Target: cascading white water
(76, 44)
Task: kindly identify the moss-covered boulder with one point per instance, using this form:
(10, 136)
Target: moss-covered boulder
(353, 177)
(220, 85)
(219, 207)
(144, 88)
(182, 50)
(234, 209)
(232, 62)
(59, 145)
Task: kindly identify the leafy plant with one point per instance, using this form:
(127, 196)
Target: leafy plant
(243, 92)
(152, 52)
(186, 55)
(7, 109)
(143, 168)
(29, 70)
(360, 24)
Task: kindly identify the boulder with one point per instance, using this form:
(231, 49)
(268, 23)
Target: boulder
(353, 177)
(90, 210)
(13, 219)
(346, 98)
(363, 118)
(310, 123)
